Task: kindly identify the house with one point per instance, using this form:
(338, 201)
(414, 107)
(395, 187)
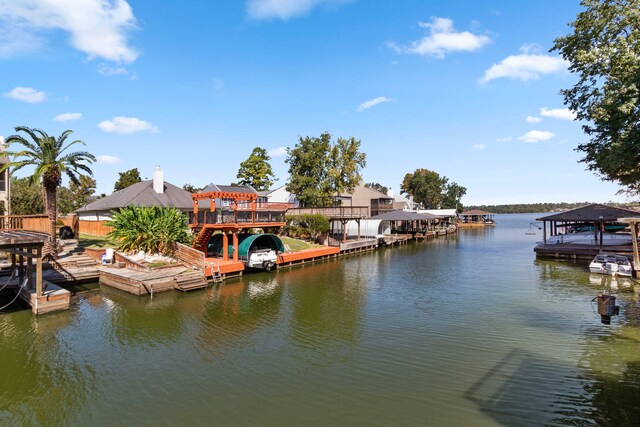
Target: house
(279, 195)
(224, 202)
(375, 201)
(154, 192)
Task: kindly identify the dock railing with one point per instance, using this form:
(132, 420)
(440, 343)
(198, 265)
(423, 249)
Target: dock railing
(335, 212)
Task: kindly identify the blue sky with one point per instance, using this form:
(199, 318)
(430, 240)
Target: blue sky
(465, 88)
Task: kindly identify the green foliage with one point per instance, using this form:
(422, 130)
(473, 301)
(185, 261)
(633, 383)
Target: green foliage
(127, 178)
(191, 188)
(320, 169)
(149, 229)
(425, 186)
(256, 171)
(452, 195)
(76, 196)
(50, 159)
(379, 187)
(26, 198)
(312, 227)
(533, 207)
(432, 190)
(603, 52)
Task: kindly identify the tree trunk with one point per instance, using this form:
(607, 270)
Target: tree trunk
(50, 249)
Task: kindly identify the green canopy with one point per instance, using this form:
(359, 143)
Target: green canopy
(246, 242)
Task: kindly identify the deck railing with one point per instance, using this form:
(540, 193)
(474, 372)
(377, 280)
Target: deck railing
(229, 216)
(335, 212)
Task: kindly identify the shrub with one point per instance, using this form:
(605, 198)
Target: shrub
(312, 227)
(149, 229)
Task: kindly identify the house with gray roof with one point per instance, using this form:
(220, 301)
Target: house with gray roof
(154, 192)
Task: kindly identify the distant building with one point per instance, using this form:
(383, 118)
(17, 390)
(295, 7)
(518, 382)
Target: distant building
(376, 201)
(279, 195)
(154, 192)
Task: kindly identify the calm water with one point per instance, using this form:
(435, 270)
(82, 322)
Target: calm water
(468, 330)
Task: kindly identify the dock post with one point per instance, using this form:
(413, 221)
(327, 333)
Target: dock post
(38, 272)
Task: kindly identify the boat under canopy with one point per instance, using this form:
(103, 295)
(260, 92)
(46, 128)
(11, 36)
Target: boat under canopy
(246, 244)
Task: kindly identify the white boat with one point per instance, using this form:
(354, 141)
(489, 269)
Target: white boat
(619, 265)
(613, 265)
(261, 258)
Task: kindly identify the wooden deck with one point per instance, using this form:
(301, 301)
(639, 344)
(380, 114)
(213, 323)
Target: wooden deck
(226, 269)
(288, 259)
(53, 297)
(140, 282)
(579, 251)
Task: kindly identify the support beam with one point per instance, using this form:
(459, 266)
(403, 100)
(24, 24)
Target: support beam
(225, 246)
(634, 240)
(38, 272)
(235, 246)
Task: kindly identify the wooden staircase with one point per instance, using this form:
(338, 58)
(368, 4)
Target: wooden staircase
(189, 281)
(202, 240)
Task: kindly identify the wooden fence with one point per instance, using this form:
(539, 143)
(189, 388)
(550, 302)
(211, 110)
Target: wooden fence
(94, 228)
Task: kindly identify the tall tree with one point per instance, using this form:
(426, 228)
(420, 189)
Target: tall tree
(453, 194)
(127, 178)
(604, 51)
(378, 187)
(47, 155)
(256, 170)
(426, 187)
(191, 188)
(26, 197)
(320, 169)
(77, 195)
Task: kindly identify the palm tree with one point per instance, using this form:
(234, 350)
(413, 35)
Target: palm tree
(47, 155)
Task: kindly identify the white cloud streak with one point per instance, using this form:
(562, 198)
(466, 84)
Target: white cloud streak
(558, 113)
(98, 28)
(504, 139)
(478, 147)
(286, 9)
(26, 94)
(533, 119)
(65, 117)
(373, 102)
(524, 67)
(442, 39)
(534, 136)
(106, 159)
(277, 152)
(126, 125)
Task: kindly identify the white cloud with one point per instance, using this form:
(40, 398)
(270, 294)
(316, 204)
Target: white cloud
(504, 139)
(478, 147)
(373, 102)
(108, 71)
(533, 119)
(65, 117)
(525, 67)
(126, 125)
(442, 39)
(558, 113)
(106, 159)
(26, 94)
(96, 27)
(286, 9)
(534, 136)
(277, 152)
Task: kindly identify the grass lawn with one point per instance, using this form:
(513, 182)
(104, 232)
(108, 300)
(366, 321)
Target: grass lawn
(95, 242)
(297, 245)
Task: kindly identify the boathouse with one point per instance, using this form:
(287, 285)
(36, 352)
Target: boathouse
(583, 232)
(476, 218)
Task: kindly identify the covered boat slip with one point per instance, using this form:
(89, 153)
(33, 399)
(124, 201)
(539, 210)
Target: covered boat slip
(476, 218)
(25, 249)
(561, 238)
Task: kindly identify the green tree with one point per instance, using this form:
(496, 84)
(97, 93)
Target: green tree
(26, 197)
(320, 169)
(426, 187)
(191, 188)
(453, 193)
(378, 187)
(603, 51)
(150, 229)
(47, 155)
(256, 170)
(127, 178)
(77, 195)
(307, 226)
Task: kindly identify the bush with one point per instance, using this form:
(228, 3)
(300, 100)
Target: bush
(311, 227)
(149, 229)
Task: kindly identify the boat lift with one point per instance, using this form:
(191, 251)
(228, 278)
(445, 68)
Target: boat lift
(531, 231)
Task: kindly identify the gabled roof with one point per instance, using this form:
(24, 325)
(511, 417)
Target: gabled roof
(142, 194)
(401, 215)
(591, 213)
(440, 212)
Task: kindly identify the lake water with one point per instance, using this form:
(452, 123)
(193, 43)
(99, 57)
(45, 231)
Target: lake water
(463, 330)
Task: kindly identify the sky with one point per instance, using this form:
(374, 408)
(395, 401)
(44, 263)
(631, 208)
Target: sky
(468, 89)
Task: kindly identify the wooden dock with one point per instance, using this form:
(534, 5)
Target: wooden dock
(289, 259)
(140, 282)
(53, 297)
